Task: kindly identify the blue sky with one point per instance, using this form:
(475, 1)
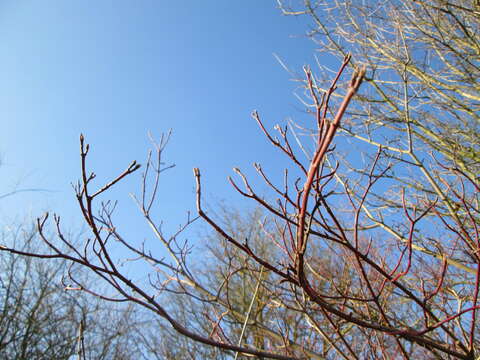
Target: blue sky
(115, 70)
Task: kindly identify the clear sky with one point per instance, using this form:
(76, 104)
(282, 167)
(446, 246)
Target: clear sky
(116, 70)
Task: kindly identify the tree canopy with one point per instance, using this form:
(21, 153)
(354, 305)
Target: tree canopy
(367, 246)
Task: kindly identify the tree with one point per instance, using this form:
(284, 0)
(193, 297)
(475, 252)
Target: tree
(352, 259)
(246, 300)
(421, 96)
(39, 320)
(420, 111)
